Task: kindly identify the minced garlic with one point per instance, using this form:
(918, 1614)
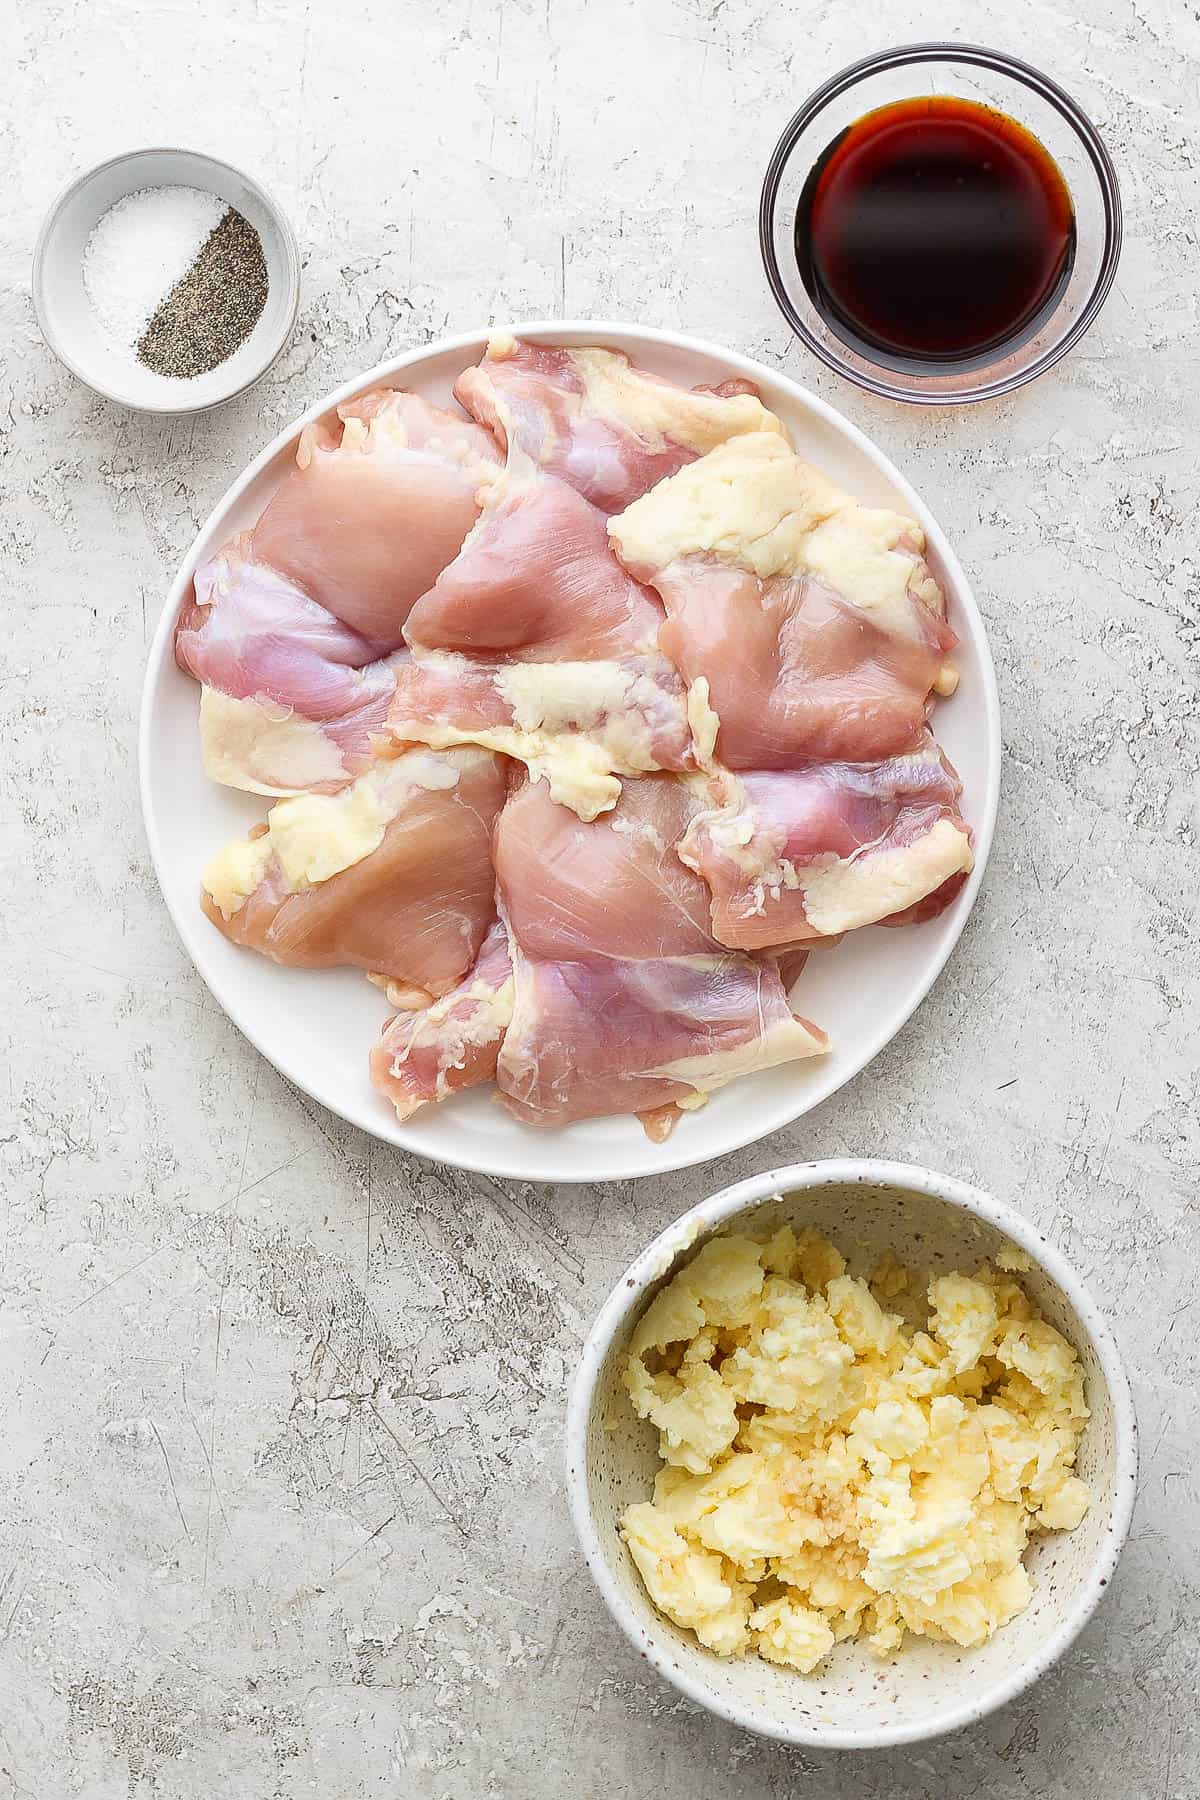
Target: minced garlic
(830, 1473)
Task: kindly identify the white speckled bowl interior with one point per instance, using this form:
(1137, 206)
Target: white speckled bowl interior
(930, 1223)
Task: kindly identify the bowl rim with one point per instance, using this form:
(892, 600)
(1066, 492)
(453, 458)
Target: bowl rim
(567, 1166)
(656, 1261)
(978, 56)
(291, 257)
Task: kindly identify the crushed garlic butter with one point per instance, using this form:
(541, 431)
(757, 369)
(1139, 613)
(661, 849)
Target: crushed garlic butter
(831, 1473)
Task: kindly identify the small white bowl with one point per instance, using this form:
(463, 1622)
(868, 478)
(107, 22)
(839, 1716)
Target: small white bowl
(855, 1700)
(71, 327)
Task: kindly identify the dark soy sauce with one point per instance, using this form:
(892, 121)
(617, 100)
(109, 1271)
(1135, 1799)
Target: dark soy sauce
(935, 231)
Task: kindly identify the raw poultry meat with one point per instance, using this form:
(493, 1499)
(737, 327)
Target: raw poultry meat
(291, 699)
(289, 627)
(612, 889)
(579, 726)
(590, 1039)
(810, 622)
(380, 501)
(716, 667)
(428, 1054)
(590, 416)
(823, 849)
(622, 1000)
(537, 643)
(392, 875)
(535, 581)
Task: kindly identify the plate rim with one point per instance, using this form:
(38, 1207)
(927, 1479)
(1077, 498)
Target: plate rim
(566, 1169)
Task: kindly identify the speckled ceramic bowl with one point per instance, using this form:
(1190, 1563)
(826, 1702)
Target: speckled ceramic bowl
(854, 1700)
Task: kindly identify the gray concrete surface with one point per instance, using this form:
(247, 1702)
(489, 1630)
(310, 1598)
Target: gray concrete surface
(280, 1503)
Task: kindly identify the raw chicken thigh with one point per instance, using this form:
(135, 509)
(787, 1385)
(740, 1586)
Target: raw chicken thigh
(826, 848)
(588, 415)
(589, 1040)
(428, 1055)
(811, 620)
(537, 643)
(380, 501)
(289, 626)
(579, 726)
(622, 1000)
(392, 875)
(613, 889)
(291, 699)
(536, 581)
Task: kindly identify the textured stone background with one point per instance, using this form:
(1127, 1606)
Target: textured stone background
(280, 1502)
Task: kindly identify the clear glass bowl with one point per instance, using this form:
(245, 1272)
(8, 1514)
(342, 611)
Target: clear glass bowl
(964, 71)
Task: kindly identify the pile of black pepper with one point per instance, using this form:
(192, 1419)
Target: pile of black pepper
(214, 308)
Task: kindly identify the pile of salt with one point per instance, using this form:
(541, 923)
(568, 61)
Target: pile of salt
(142, 246)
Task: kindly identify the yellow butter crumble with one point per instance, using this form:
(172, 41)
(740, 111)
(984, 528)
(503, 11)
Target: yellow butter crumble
(830, 1472)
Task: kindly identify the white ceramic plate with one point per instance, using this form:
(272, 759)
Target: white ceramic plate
(317, 1028)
